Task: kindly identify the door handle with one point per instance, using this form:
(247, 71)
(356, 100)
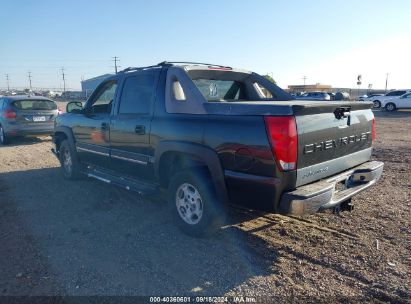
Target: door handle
(140, 129)
(104, 126)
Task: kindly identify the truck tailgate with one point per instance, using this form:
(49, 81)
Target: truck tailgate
(332, 137)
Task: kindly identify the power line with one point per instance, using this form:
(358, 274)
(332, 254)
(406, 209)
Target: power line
(115, 59)
(29, 76)
(64, 79)
(304, 78)
(8, 84)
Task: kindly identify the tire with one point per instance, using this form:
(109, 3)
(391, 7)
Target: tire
(377, 104)
(193, 204)
(3, 137)
(390, 107)
(70, 164)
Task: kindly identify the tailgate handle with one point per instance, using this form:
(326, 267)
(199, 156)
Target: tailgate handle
(342, 112)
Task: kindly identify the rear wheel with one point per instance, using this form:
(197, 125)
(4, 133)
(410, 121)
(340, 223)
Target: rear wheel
(377, 104)
(3, 137)
(390, 107)
(70, 164)
(193, 203)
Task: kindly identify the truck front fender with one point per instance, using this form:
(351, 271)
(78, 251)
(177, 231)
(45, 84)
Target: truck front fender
(200, 152)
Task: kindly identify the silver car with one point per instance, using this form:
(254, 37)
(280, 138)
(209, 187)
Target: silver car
(26, 116)
(314, 96)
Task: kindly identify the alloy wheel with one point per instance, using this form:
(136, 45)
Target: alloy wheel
(189, 203)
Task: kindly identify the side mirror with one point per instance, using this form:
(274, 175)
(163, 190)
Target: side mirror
(74, 107)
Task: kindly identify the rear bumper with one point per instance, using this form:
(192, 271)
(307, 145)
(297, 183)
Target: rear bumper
(26, 131)
(332, 191)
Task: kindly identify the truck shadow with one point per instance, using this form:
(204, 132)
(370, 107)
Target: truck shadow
(96, 239)
(103, 240)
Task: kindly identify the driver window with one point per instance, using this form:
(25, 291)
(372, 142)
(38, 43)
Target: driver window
(104, 99)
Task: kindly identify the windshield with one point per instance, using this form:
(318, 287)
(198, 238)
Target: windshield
(35, 105)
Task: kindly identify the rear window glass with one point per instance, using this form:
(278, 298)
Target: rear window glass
(35, 105)
(221, 90)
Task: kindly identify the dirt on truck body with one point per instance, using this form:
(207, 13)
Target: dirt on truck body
(86, 238)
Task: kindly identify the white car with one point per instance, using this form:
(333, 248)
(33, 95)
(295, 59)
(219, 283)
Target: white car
(369, 97)
(378, 100)
(399, 102)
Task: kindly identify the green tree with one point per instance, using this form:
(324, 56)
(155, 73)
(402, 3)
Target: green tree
(268, 77)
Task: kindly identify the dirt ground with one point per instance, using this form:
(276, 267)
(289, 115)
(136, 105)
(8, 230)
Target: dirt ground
(86, 238)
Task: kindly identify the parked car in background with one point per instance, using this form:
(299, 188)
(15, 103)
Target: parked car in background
(26, 116)
(368, 97)
(332, 95)
(399, 102)
(345, 96)
(379, 100)
(315, 96)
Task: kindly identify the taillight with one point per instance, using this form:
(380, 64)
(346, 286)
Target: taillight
(282, 132)
(374, 130)
(10, 114)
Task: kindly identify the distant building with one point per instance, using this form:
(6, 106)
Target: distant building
(309, 88)
(89, 85)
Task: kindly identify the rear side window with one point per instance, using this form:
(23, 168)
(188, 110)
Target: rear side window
(221, 90)
(137, 94)
(263, 91)
(396, 93)
(35, 105)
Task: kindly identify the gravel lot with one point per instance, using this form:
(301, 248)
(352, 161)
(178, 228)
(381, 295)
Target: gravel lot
(86, 238)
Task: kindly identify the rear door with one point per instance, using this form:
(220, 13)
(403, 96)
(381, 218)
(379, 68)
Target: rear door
(404, 102)
(92, 129)
(130, 125)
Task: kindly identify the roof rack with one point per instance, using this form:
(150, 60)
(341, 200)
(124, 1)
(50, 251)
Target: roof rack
(171, 63)
(138, 68)
(191, 63)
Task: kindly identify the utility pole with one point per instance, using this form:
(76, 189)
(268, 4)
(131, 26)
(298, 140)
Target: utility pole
(304, 78)
(386, 83)
(29, 76)
(8, 84)
(64, 79)
(115, 59)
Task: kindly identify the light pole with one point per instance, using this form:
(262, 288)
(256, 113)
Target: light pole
(386, 83)
(359, 77)
(304, 78)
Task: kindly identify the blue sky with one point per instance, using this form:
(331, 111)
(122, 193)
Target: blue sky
(329, 42)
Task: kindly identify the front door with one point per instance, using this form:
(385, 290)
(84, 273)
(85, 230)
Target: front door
(404, 101)
(92, 130)
(130, 126)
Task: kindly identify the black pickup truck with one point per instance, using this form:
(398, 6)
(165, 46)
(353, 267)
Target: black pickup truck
(209, 135)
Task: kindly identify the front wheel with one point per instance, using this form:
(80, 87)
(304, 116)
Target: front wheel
(193, 203)
(70, 165)
(377, 104)
(390, 107)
